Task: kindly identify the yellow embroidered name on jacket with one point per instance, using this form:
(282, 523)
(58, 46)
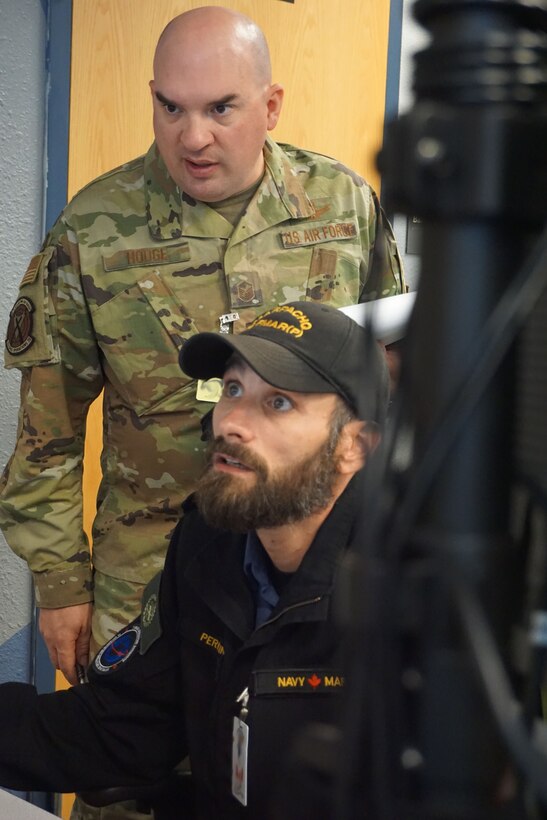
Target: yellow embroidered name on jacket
(210, 641)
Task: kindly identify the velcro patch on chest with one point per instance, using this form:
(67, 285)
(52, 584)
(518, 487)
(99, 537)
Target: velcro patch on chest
(313, 234)
(150, 614)
(296, 681)
(118, 650)
(143, 257)
(245, 290)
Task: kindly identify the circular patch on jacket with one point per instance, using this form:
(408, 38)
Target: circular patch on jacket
(19, 336)
(118, 649)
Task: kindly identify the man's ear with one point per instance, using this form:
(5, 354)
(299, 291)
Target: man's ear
(357, 440)
(274, 103)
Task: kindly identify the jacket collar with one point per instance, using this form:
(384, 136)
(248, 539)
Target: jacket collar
(317, 572)
(219, 560)
(172, 214)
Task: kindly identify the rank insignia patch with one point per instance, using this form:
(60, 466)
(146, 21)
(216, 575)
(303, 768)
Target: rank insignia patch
(118, 649)
(149, 611)
(19, 336)
(150, 615)
(245, 290)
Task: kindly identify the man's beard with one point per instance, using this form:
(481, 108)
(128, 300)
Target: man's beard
(291, 494)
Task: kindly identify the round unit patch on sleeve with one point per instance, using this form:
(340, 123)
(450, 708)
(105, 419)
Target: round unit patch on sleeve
(19, 336)
(118, 649)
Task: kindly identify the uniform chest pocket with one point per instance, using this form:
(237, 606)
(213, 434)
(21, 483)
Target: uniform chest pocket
(140, 332)
(334, 276)
(336, 260)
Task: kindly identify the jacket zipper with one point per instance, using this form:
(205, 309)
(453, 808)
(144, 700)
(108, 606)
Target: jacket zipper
(288, 609)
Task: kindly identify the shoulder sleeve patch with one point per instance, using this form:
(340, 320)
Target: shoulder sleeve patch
(150, 615)
(30, 338)
(118, 650)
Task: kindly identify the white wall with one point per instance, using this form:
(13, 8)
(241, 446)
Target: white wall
(22, 94)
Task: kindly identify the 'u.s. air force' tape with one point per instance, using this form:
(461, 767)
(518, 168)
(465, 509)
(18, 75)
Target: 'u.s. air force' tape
(118, 650)
(387, 317)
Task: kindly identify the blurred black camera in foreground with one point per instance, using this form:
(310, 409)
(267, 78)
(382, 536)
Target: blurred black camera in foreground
(445, 596)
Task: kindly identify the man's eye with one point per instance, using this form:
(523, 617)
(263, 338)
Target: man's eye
(281, 403)
(232, 389)
(222, 109)
(171, 108)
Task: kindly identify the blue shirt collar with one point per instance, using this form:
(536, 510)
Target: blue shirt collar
(256, 568)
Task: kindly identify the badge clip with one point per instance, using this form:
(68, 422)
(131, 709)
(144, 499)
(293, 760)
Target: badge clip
(226, 320)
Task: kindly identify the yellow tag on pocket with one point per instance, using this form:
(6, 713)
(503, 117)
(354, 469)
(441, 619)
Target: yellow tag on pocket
(209, 390)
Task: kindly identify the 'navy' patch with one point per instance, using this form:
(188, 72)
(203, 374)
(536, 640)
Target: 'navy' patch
(118, 649)
(301, 681)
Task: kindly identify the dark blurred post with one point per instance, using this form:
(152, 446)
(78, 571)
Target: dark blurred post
(470, 159)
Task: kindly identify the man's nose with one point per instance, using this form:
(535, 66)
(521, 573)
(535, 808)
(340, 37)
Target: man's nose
(233, 423)
(196, 134)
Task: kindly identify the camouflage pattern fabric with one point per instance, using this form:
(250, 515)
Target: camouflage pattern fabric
(116, 603)
(132, 268)
(126, 810)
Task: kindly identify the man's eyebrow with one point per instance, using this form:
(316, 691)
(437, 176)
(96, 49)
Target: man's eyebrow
(222, 101)
(159, 96)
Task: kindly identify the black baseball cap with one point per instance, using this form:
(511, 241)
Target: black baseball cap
(305, 347)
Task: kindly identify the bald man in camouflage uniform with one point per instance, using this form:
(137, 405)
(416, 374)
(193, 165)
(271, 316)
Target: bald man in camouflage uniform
(215, 224)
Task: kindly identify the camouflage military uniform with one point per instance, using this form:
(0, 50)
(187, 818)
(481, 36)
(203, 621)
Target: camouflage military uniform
(131, 269)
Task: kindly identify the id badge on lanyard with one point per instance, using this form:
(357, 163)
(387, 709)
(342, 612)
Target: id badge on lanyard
(240, 750)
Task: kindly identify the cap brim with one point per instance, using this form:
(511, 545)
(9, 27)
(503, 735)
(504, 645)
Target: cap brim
(205, 356)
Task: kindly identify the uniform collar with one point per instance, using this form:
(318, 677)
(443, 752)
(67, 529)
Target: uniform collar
(284, 176)
(163, 202)
(172, 214)
(262, 577)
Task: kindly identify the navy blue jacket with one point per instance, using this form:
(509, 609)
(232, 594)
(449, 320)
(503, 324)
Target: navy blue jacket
(167, 685)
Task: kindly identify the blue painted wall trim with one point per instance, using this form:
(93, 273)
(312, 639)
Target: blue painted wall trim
(58, 105)
(59, 32)
(394, 58)
(393, 73)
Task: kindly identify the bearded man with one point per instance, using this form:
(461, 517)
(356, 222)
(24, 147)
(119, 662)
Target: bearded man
(236, 649)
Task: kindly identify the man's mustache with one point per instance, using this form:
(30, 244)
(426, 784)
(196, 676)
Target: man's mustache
(238, 452)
